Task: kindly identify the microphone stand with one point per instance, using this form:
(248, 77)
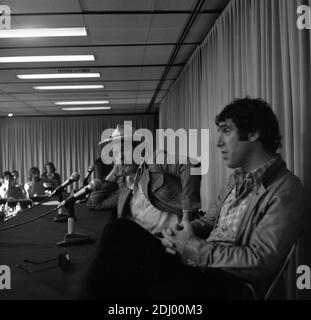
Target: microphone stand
(61, 216)
(85, 183)
(73, 238)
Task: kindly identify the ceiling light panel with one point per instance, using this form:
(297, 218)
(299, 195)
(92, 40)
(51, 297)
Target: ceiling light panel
(71, 87)
(58, 76)
(54, 58)
(64, 103)
(43, 32)
(85, 109)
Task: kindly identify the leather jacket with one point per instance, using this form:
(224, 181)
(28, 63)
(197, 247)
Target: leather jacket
(169, 187)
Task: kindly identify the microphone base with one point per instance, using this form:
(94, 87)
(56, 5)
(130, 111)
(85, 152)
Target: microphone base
(74, 239)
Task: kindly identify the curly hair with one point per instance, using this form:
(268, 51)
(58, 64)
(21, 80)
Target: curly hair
(253, 115)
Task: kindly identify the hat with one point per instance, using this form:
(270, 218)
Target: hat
(117, 134)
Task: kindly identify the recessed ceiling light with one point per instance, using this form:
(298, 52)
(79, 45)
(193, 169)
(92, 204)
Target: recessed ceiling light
(73, 87)
(55, 58)
(86, 109)
(10, 115)
(63, 103)
(58, 75)
(43, 32)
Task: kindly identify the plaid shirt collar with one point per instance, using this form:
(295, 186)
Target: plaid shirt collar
(251, 179)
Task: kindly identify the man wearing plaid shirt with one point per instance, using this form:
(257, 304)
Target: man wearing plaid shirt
(242, 239)
(248, 231)
(235, 205)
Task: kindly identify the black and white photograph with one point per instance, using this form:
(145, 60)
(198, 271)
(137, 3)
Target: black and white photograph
(155, 153)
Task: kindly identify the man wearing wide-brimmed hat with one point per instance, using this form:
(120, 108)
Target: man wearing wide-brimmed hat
(157, 195)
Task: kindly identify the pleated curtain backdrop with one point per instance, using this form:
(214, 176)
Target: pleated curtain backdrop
(71, 143)
(254, 49)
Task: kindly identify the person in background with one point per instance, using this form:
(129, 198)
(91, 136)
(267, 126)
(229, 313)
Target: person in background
(9, 189)
(15, 175)
(7, 180)
(34, 186)
(50, 176)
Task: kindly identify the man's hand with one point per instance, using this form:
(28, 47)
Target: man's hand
(176, 238)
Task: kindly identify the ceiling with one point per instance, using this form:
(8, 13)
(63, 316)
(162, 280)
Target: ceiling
(140, 47)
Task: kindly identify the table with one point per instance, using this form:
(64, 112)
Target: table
(37, 241)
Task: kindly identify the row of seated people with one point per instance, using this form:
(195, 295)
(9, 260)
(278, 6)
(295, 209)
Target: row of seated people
(36, 185)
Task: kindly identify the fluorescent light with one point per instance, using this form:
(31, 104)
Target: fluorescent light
(48, 58)
(42, 32)
(73, 87)
(64, 103)
(58, 75)
(10, 115)
(86, 109)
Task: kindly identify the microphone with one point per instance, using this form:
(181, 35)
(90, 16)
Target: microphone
(89, 171)
(72, 237)
(92, 186)
(75, 176)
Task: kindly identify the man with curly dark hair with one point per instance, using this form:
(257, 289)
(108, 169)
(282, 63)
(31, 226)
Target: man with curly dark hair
(258, 215)
(253, 115)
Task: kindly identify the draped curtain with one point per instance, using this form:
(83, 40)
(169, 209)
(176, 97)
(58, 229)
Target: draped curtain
(254, 49)
(71, 143)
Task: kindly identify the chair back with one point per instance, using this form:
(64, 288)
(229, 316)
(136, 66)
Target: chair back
(276, 278)
(280, 272)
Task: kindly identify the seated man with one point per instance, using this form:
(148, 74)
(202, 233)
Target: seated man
(243, 238)
(158, 195)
